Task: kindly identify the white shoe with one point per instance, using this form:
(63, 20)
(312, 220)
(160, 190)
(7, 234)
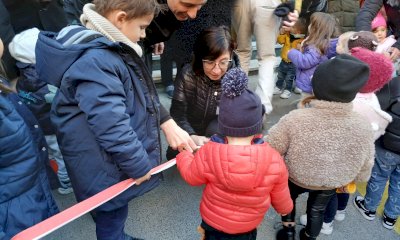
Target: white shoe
(327, 228)
(277, 91)
(286, 94)
(65, 191)
(340, 215)
(303, 219)
(297, 90)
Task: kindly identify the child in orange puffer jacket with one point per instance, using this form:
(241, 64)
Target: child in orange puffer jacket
(242, 173)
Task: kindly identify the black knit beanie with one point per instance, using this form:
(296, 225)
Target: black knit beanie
(240, 109)
(339, 79)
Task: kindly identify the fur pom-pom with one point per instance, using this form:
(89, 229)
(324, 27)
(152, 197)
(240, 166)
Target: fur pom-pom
(381, 69)
(234, 82)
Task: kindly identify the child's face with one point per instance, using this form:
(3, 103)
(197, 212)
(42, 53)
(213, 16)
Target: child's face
(134, 29)
(380, 33)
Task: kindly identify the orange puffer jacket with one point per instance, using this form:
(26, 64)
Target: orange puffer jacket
(241, 184)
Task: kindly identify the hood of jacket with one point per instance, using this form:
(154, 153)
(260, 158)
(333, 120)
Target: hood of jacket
(237, 167)
(58, 51)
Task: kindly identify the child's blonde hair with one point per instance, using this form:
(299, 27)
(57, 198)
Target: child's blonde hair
(134, 9)
(322, 28)
(343, 42)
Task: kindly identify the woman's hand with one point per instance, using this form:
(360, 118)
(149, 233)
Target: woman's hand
(199, 140)
(293, 17)
(177, 138)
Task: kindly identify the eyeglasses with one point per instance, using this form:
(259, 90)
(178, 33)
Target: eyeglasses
(210, 65)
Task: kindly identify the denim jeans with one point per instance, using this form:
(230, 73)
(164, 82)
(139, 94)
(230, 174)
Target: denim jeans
(386, 167)
(110, 225)
(337, 202)
(316, 204)
(286, 75)
(55, 153)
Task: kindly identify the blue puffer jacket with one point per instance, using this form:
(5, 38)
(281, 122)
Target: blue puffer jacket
(25, 197)
(106, 111)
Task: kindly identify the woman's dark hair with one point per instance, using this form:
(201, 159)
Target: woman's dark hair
(210, 44)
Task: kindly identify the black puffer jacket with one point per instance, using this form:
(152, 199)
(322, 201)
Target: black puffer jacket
(345, 11)
(389, 98)
(368, 12)
(195, 100)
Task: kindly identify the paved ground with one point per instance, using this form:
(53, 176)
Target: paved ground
(170, 212)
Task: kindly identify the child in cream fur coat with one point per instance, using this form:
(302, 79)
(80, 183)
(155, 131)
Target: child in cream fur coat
(326, 145)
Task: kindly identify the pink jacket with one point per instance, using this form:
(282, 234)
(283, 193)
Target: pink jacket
(367, 105)
(241, 183)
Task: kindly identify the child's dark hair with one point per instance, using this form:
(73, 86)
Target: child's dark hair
(210, 44)
(322, 28)
(301, 25)
(133, 9)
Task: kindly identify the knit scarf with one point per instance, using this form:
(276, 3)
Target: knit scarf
(94, 21)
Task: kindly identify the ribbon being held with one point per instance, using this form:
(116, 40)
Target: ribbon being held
(70, 214)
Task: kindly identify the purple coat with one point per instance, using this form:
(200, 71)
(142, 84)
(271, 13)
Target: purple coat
(306, 62)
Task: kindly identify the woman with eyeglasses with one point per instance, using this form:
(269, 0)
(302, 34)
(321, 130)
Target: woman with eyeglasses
(198, 86)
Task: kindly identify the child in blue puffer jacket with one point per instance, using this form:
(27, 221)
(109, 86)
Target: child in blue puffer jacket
(38, 96)
(25, 197)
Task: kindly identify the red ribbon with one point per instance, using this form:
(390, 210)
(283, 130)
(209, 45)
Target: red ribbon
(70, 214)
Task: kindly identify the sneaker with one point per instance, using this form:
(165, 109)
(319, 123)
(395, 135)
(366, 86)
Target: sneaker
(65, 191)
(340, 215)
(297, 90)
(360, 206)
(388, 222)
(65, 187)
(170, 90)
(327, 228)
(277, 91)
(303, 219)
(286, 94)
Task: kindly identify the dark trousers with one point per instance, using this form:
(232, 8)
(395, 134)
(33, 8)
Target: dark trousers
(337, 202)
(110, 225)
(286, 75)
(214, 234)
(316, 204)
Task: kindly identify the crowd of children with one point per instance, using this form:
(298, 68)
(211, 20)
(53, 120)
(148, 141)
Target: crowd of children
(105, 124)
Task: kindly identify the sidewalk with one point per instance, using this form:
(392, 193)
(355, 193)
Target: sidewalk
(171, 211)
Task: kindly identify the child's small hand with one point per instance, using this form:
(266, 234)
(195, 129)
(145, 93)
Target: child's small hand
(394, 53)
(144, 178)
(199, 140)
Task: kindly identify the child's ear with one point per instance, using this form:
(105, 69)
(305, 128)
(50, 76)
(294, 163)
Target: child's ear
(118, 18)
